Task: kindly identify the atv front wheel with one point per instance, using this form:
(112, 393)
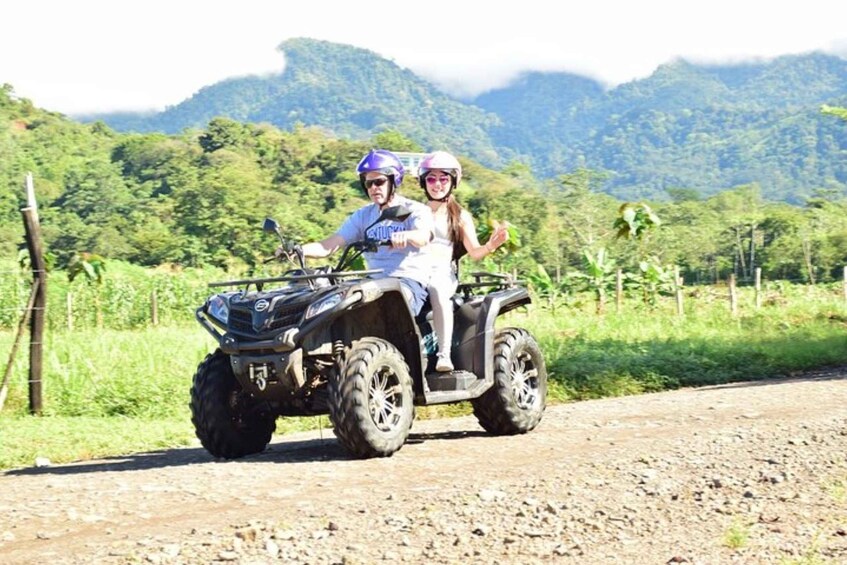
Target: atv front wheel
(370, 398)
(227, 420)
(516, 402)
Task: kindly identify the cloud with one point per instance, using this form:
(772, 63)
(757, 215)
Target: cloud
(87, 56)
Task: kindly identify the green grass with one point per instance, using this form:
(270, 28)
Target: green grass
(118, 391)
(62, 439)
(643, 349)
(136, 373)
(736, 536)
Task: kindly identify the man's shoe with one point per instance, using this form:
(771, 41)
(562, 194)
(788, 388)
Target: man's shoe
(443, 364)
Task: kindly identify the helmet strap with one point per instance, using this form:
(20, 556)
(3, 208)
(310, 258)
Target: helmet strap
(445, 199)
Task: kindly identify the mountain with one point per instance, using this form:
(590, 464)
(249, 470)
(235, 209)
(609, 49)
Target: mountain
(349, 91)
(688, 126)
(702, 127)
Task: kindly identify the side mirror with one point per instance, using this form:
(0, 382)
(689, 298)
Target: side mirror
(395, 213)
(270, 226)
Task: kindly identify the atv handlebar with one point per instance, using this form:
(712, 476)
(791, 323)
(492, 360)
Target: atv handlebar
(392, 213)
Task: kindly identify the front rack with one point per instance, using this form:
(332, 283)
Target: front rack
(296, 278)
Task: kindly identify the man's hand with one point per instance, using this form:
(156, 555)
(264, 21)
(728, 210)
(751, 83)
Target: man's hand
(286, 249)
(399, 239)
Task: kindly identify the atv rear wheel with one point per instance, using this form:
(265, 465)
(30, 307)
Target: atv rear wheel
(516, 402)
(370, 399)
(227, 421)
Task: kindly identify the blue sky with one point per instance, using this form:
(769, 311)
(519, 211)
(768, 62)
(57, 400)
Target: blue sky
(87, 56)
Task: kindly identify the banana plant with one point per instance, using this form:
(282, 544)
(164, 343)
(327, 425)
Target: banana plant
(654, 279)
(486, 228)
(92, 267)
(598, 275)
(545, 286)
(634, 220)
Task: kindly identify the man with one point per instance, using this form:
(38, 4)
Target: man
(380, 173)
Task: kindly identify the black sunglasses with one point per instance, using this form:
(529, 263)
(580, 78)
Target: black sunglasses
(375, 182)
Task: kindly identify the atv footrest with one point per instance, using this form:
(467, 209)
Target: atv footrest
(454, 380)
(465, 387)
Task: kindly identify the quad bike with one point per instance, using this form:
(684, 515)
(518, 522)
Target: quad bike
(334, 341)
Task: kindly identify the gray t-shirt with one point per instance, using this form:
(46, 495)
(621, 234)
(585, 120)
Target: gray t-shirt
(410, 262)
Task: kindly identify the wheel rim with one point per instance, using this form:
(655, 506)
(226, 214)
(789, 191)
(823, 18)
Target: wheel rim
(385, 399)
(524, 377)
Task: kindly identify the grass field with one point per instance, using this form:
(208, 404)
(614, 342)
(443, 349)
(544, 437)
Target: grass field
(117, 391)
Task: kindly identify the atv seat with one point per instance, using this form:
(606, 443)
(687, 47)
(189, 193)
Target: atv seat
(425, 314)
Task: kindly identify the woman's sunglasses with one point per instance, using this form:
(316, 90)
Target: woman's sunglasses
(375, 182)
(433, 180)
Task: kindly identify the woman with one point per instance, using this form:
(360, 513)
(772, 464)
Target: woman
(455, 235)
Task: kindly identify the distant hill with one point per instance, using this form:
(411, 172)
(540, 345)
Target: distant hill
(701, 127)
(349, 91)
(704, 127)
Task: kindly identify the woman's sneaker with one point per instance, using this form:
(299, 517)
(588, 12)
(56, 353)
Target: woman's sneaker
(443, 363)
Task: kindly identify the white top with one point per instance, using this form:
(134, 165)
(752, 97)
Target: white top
(441, 249)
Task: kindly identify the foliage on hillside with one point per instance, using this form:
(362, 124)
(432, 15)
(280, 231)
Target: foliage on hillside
(706, 128)
(690, 126)
(198, 198)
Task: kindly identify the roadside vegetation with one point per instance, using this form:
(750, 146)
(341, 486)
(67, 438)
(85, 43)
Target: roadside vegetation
(133, 220)
(117, 391)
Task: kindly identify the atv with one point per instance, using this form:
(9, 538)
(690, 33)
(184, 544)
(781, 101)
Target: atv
(337, 341)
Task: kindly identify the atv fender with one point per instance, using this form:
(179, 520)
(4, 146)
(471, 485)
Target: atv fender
(474, 329)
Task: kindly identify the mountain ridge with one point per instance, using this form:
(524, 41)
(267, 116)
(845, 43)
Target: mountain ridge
(686, 125)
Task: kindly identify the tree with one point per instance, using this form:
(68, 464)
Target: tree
(395, 141)
(223, 132)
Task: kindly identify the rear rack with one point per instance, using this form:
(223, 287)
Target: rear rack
(500, 280)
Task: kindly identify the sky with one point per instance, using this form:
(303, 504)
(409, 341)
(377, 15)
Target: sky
(89, 56)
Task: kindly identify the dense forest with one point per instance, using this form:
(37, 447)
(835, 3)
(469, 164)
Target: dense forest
(687, 126)
(199, 197)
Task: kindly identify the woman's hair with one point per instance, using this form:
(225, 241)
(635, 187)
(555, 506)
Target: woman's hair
(454, 228)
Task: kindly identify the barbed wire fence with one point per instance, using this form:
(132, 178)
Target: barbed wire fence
(34, 312)
(24, 314)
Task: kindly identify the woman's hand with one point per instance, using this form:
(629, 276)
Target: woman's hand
(499, 236)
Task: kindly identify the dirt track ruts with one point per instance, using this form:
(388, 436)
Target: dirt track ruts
(748, 473)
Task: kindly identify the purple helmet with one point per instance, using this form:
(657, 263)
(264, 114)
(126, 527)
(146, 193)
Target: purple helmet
(381, 161)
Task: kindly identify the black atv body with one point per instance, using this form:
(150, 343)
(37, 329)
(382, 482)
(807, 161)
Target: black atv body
(329, 341)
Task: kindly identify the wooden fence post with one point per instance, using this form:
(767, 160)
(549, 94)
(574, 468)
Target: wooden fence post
(154, 308)
(618, 290)
(680, 311)
(733, 295)
(98, 310)
(844, 284)
(37, 319)
(758, 287)
(69, 301)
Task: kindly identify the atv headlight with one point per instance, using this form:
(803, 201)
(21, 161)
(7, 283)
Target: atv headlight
(323, 305)
(218, 309)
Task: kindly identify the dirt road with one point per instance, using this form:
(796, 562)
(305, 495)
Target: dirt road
(749, 473)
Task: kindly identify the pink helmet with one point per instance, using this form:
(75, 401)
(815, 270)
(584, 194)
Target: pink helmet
(442, 161)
